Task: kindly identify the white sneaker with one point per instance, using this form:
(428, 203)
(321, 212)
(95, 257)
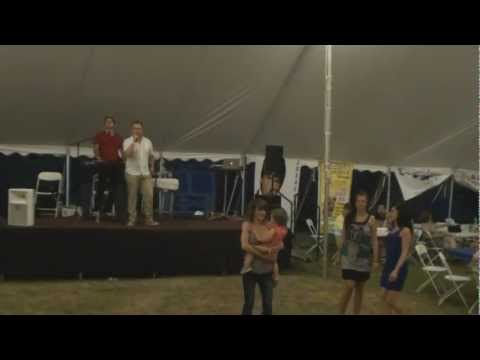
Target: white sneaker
(151, 223)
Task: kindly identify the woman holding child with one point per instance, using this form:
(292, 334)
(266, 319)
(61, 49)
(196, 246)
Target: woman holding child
(261, 240)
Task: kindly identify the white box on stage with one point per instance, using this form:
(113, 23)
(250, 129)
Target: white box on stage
(168, 184)
(21, 207)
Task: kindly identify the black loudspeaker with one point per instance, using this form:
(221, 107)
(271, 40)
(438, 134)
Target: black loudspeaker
(274, 162)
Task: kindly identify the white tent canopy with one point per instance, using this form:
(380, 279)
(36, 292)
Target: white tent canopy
(392, 105)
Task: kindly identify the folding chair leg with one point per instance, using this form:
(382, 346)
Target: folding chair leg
(317, 248)
(313, 248)
(439, 293)
(463, 297)
(455, 289)
(446, 296)
(424, 284)
(430, 280)
(475, 304)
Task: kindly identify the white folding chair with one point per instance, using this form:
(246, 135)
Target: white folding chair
(458, 281)
(475, 274)
(47, 176)
(430, 244)
(417, 235)
(316, 236)
(432, 271)
(166, 194)
(312, 228)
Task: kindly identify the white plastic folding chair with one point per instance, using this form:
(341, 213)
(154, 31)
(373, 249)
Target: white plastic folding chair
(166, 194)
(47, 176)
(316, 236)
(457, 281)
(431, 270)
(431, 245)
(417, 235)
(475, 274)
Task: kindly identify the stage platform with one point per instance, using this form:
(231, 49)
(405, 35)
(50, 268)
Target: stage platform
(72, 248)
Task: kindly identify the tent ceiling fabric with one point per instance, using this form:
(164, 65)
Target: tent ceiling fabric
(389, 102)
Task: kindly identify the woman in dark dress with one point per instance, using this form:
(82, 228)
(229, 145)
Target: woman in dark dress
(358, 252)
(398, 247)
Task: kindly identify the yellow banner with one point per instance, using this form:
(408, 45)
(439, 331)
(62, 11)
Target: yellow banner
(339, 190)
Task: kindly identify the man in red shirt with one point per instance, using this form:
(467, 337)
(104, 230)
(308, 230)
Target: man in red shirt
(108, 152)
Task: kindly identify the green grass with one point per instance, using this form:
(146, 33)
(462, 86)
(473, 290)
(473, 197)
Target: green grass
(302, 290)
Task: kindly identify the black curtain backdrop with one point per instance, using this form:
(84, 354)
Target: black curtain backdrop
(395, 191)
(204, 176)
(197, 190)
(237, 199)
(367, 181)
(81, 178)
(464, 204)
(361, 180)
(21, 171)
(249, 183)
(423, 202)
(308, 211)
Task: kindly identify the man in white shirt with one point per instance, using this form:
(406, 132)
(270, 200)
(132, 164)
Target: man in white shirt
(138, 154)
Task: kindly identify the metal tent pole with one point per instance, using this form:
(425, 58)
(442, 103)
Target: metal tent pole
(244, 176)
(225, 194)
(328, 118)
(450, 201)
(67, 178)
(389, 187)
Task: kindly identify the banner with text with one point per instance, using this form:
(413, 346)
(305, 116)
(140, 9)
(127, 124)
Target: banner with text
(340, 185)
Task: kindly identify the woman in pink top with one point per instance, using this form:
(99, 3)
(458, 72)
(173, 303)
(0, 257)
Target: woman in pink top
(262, 267)
(271, 242)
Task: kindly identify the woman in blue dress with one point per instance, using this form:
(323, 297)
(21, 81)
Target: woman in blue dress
(397, 248)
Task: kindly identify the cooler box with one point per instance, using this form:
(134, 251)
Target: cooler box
(21, 207)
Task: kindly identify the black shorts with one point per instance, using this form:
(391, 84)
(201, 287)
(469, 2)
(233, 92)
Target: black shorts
(357, 276)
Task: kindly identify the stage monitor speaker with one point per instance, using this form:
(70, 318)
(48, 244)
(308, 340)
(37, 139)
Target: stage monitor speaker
(21, 209)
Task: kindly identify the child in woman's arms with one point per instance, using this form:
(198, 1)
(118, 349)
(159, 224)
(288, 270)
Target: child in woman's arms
(271, 242)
